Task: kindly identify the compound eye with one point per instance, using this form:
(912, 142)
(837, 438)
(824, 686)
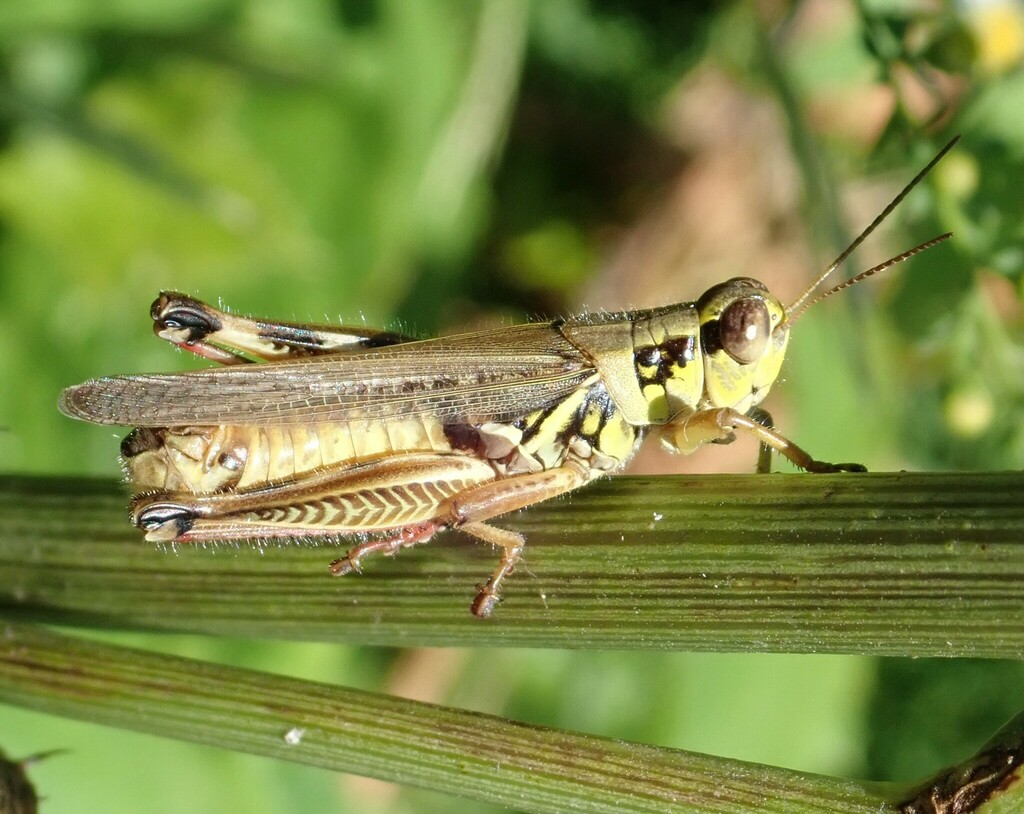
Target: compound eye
(744, 329)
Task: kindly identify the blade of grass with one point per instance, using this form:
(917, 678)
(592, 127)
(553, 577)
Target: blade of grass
(463, 753)
(988, 782)
(902, 564)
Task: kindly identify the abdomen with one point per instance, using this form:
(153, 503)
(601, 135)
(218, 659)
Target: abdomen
(207, 460)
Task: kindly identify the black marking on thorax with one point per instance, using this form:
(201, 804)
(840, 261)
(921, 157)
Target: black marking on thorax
(654, 363)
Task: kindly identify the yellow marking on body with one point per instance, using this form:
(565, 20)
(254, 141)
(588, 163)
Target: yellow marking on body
(191, 460)
(657, 402)
(548, 443)
(591, 420)
(683, 389)
(531, 420)
(618, 438)
(726, 382)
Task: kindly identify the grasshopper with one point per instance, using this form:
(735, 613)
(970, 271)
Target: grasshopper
(342, 431)
(17, 794)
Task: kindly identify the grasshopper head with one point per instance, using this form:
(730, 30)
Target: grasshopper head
(744, 329)
(743, 336)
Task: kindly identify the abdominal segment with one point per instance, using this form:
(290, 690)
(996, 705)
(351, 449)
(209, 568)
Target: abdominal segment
(207, 460)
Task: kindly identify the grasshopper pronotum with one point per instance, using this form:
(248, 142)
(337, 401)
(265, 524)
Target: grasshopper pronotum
(351, 431)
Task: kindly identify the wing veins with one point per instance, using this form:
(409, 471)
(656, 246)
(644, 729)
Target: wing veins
(472, 377)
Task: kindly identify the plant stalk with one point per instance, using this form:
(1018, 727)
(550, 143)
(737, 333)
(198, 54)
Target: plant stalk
(904, 564)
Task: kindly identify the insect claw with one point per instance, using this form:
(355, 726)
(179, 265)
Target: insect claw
(486, 598)
(345, 565)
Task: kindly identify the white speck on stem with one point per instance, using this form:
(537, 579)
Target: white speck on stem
(294, 736)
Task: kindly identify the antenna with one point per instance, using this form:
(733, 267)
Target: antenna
(798, 306)
(792, 316)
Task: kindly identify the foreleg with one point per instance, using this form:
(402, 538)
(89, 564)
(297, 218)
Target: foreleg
(718, 424)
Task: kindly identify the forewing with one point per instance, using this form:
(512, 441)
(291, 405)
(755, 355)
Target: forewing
(487, 376)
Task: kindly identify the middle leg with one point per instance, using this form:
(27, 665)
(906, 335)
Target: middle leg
(470, 509)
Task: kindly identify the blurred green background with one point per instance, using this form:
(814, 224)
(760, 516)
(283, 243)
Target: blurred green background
(445, 165)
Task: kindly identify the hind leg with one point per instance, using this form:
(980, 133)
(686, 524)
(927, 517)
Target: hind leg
(222, 337)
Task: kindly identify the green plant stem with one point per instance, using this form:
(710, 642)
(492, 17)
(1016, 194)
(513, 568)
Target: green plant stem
(988, 782)
(477, 756)
(902, 564)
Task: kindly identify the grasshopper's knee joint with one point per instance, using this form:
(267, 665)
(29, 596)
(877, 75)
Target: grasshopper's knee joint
(182, 320)
(164, 522)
